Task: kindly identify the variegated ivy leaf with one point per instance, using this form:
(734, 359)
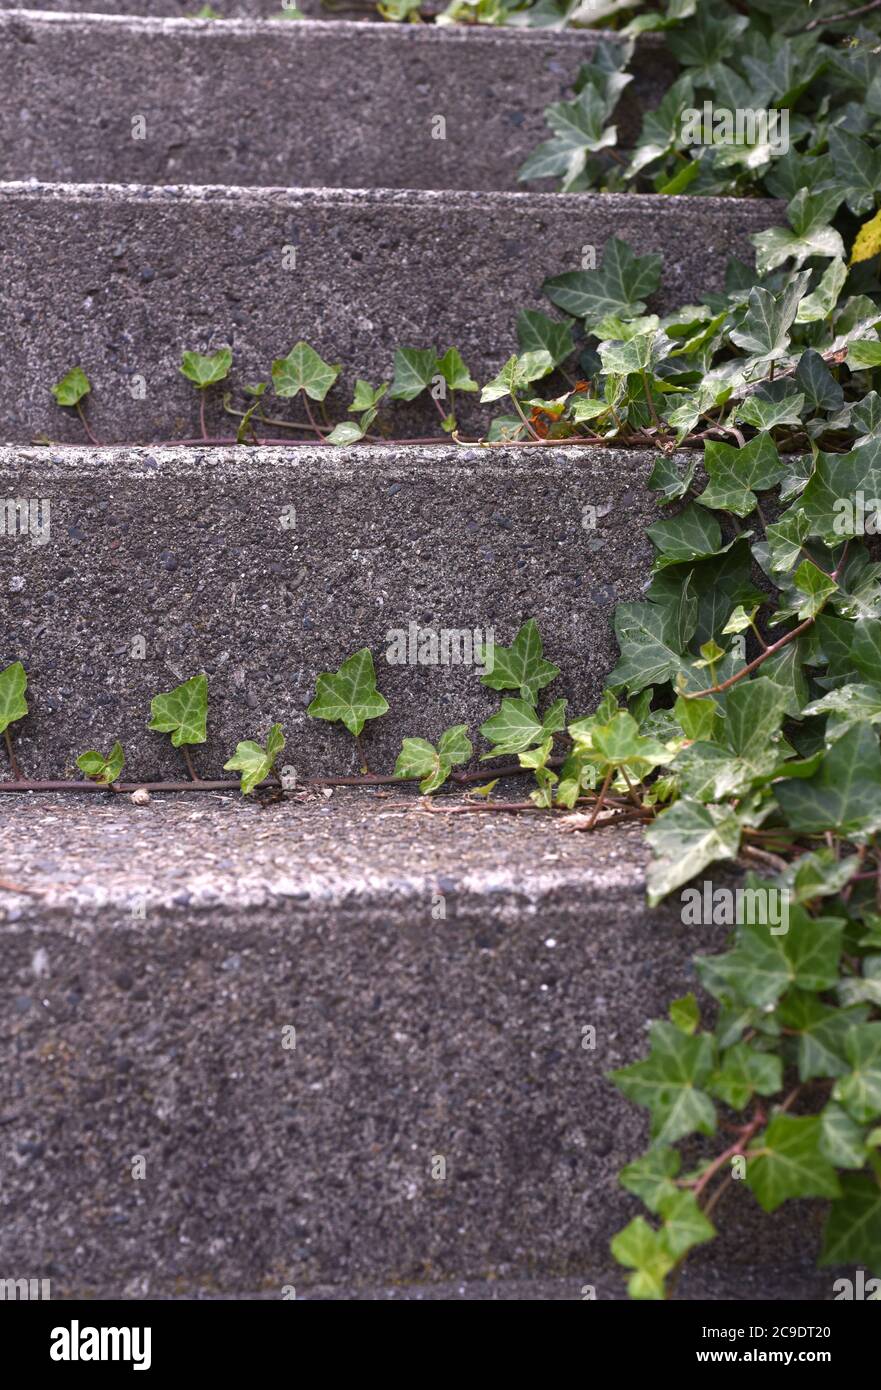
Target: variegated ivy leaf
(206, 371)
(517, 373)
(736, 475)
(517, 726)
(419, 758)
(619, 744)
(303, 370)
(846, 706)
(182, 712)
(617, 287)
(254, 762)
(684, 840)
(763, 414)
(820, 303)
(830, 496)
(13, 684)
(72, 387)
(100, 769)
(844, 794)
(415, 369)
(653, 638)
(808, 233)
(764, 331)
(636, 354)
(349, 694)
(521, 666)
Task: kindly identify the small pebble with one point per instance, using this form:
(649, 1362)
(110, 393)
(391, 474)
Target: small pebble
(140, 797)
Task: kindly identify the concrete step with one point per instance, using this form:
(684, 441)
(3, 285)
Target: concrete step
(334, 104)
(120, 280)
(265, 567)
(147, 978)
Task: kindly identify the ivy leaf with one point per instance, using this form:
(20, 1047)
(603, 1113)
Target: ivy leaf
(415, 369)
(617, 287)
(853, 1227)
(653, 638)
(13, 684)
(205, 371)
(736, 475)
(454, 372)
(619, 743)
(517, 727)
(821, 301)
(255, 762)
(857, 169)
(844, 794)
(521, 666)
(860, 1091)
(841, 1140)
(303, 370)
(641, 1248)
(517, 374)
(100, 769)
(349, 694)
(821, 1031)
(865, 652)
(745, 1072)
(182, 712)
(808, 234)
(827, 501)
(651, 1176)
(692, 535)
(684, 1223)
(536, 333)
(685, 839)
(864, 354)
(669, 478)
(814, 379)
(669, 1083)
(72, 387)
(763, 414)
(367, 397)
(787, 1162)
(768, 319)
(816, 587)
(419, 758)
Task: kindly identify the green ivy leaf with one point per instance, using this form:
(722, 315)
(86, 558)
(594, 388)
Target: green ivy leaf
(860, 1091)
(521, 666)
(100, 769)
(13, 684)
(670, 1082)
(349, 694)
(419, 758)
(254, 762)
(853, 1227)
(787, 1162)
(303, 370)
(538, 333)
(182, 712)
(745, 1072)
(72, 387)
(517, 727)
(844, 794)
(736, 475)
(685, 1225)
(205, 371)
(455, 373)
(644, 1250)
(415, 369)
(651, 1176)
(617, 287)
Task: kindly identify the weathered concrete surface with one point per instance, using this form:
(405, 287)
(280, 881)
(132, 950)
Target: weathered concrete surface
(121, 280)
(147, 979)
(335, 104)
(198, 552)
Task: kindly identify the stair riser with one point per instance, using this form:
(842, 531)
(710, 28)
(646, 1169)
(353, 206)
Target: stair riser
(293, 105)
(122, 281)
(199, 553)
(416, 1038)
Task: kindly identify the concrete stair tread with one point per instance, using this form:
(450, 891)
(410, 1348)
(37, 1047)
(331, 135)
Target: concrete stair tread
(88, 853)
(491, 85)
(137, 274)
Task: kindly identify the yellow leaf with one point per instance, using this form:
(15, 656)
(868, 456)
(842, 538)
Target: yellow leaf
(868, 240)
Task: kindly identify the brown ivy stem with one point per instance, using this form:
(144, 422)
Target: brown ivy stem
(753, 665)
(202, 423)
(86, 426)
(189, 762)
(13, 761)
(824, 22)
(364, 764)
(600, 799)
(312, 421)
